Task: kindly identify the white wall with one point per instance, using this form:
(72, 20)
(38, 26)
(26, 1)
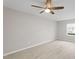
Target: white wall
(22, 30)
(61, 30)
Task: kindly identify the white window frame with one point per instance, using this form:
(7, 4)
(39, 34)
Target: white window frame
(70, 29)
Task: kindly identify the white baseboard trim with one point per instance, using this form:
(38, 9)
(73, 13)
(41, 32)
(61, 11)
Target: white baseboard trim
(6, 54)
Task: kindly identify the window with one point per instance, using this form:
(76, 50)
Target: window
(70, 29)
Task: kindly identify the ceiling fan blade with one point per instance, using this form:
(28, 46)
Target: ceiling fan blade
(36, 6)
(58, 8)
(41, 11)
(52, 12)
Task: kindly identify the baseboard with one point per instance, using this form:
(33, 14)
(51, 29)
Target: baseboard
(6, 54)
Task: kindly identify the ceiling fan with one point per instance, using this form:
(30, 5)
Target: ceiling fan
(48, 7)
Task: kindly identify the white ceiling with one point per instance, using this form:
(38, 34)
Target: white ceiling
(25, 6)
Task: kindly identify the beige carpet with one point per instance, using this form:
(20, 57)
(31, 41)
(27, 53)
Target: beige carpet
(52, 50)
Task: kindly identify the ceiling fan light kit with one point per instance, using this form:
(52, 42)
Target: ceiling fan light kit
(47, 10)
(48, 7)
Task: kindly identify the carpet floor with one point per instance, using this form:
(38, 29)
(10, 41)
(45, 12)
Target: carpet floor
(51, 50)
